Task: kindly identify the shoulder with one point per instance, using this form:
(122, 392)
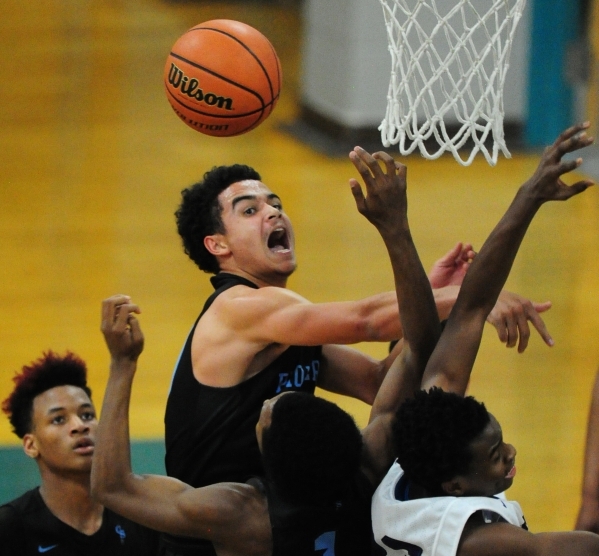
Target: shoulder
(9, 519)
(25, 504)
(244, 294)
(242, 306)
(19, 518)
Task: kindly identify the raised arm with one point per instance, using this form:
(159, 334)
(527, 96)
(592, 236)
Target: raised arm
(505, 539)
(161, 503)
(588, 515)
(385, 206)
(451, 363)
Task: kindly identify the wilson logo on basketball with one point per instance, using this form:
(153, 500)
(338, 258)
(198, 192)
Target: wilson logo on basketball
(191, 88)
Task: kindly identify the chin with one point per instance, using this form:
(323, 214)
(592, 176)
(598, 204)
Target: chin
(289, 269)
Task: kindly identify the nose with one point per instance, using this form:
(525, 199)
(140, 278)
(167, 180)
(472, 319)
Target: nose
(274, 212)
(511, 452)
(79, 425)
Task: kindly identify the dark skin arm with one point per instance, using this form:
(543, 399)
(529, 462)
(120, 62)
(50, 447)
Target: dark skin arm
(588, 516)
(504, 539)
(385, 206)
(448, 367)
(231, 515)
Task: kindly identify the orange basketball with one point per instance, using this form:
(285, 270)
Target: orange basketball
(222, 78)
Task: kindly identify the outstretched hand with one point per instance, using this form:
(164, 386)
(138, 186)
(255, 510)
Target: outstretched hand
(385, 203)
(451, 268)
(511, 316)
(121, 328)
(546, 183)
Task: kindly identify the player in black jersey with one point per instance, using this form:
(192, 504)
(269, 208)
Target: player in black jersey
(234, 226)
(51, 410)
(314, 497)
(255, 338)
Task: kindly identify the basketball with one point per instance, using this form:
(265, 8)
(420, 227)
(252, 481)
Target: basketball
(222, 78)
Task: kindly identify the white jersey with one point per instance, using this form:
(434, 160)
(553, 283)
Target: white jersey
(429, 526)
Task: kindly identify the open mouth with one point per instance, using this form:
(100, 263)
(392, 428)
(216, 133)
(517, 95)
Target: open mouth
(278, 240)
(84, 446)
(511, 473)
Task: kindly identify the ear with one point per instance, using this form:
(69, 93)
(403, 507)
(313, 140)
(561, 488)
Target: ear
(216, 245)
(30, 446)
(454, 487)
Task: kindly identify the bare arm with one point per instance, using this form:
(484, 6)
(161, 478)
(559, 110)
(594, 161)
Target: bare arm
(158, 502)
(588, 515)
(504, 539)
(278, 315)
(385, 206)
(451, 363)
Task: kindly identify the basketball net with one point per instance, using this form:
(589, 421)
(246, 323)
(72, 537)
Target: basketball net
(449, 63)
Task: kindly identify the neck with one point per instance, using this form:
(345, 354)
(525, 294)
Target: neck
(279, 281)
(68, 498)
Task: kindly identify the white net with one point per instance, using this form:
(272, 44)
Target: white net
(449, 63)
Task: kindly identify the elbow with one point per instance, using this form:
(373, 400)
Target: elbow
(96, 490)
(102, 487)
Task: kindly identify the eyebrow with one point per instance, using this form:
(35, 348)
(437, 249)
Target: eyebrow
(53, 410)
(270, 197)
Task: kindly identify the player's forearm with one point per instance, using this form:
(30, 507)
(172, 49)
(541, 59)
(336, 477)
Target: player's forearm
(491, 267)
(568, 543)
(417, 308)
(381, 315)
(112, 456)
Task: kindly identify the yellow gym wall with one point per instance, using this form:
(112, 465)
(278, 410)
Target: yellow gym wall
(93, 160)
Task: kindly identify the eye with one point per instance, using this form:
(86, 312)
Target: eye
(249, 211)
(58, 420)
(278, 206)
(88, 416)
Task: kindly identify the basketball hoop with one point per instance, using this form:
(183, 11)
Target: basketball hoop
(449, 63)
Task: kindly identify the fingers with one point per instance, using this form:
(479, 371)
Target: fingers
(539, 324)
(108, 307)
(541, 307)
(573, 139)
(511, 319)
(574, 135)
(117, 312)
(574, 189)
(514, 328)
(136, 333)
(453, 255)
(356, 190)
(366, 165)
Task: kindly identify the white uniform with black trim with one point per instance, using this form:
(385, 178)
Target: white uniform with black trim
(429, 526)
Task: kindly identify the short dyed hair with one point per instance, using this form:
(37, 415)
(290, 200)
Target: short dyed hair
(312, 449)
(199, 214)
(432, 433)
(49, 371)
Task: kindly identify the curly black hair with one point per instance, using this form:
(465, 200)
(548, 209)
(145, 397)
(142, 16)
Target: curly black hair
(311, 451)
(49, 371)
(199, 214)
(432, 434)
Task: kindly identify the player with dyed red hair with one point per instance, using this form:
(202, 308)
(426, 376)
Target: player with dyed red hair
(51, 410)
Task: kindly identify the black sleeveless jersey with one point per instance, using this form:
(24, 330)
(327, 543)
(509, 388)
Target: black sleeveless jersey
(210, 432)
(28, 528)
(342, 529)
